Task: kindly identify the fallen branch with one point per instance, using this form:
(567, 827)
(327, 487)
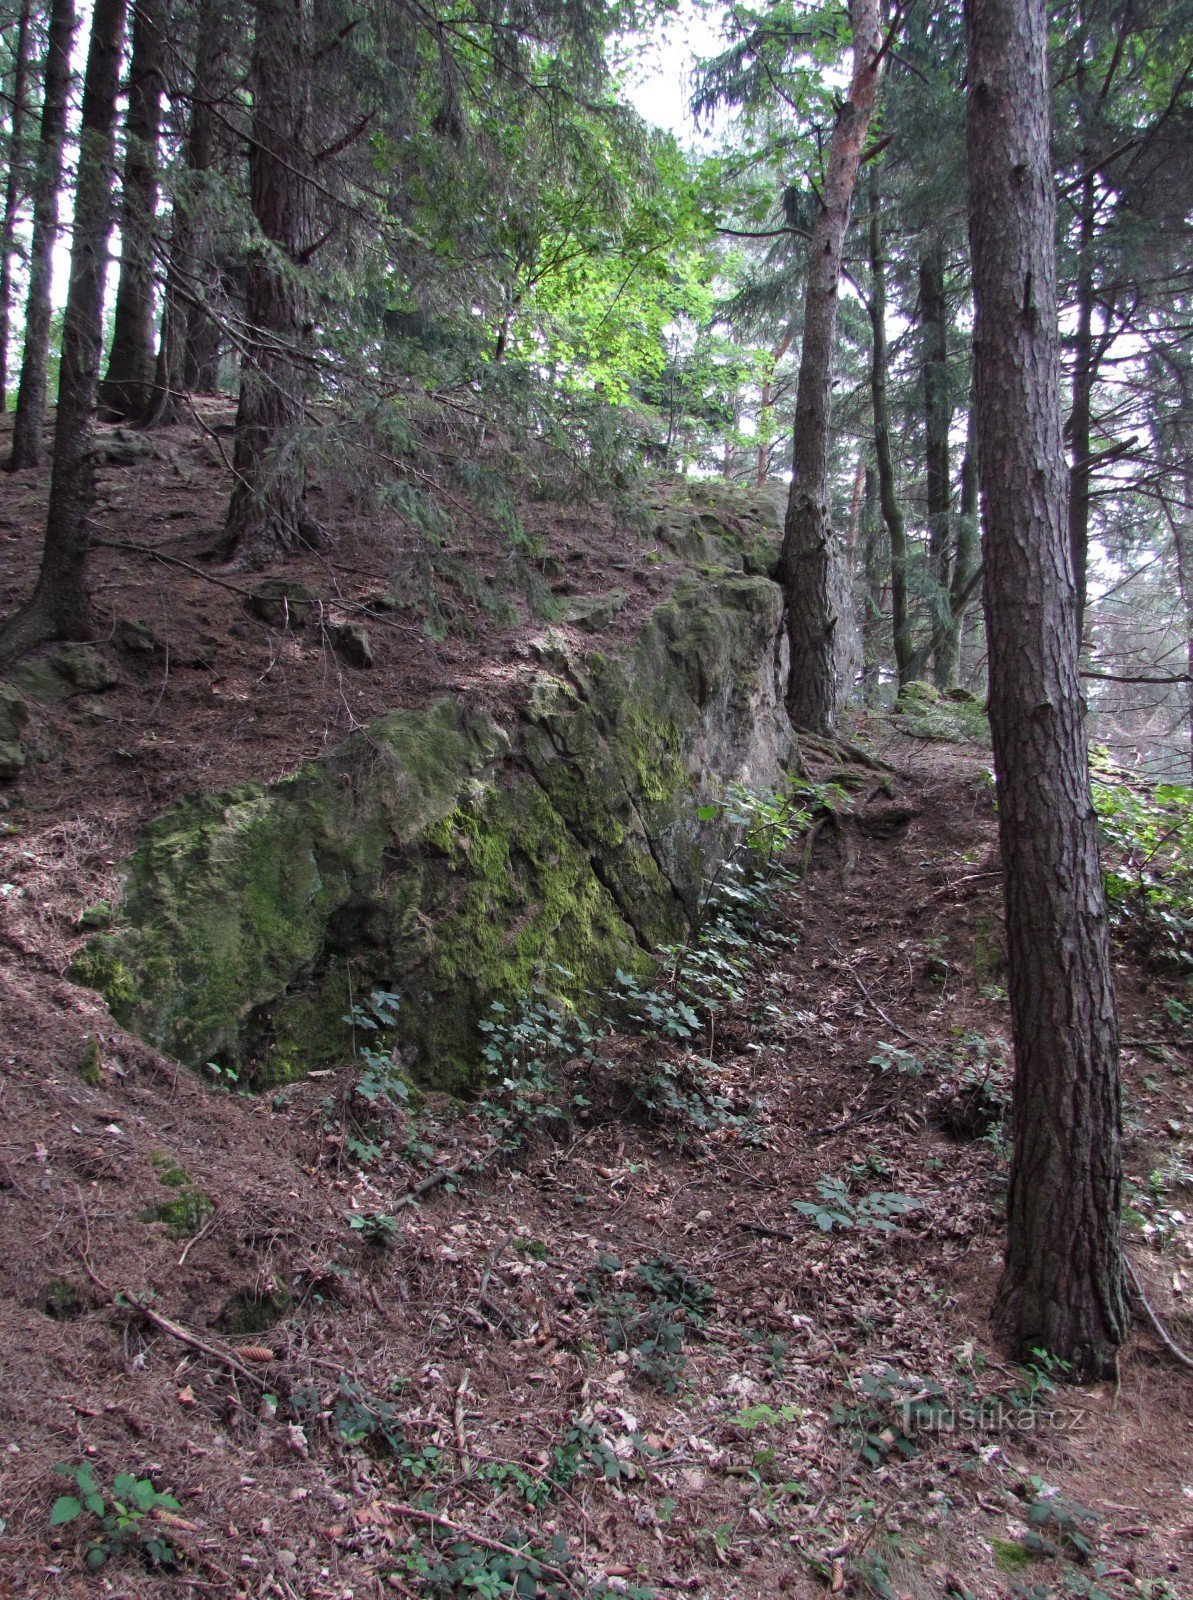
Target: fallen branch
(436, 1521)
(185, 1336)
(1158, 1328)
(767, 1233)
(911, 1038)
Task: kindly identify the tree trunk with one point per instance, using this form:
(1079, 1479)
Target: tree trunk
(1182, 541)
(906, 665)
(59, 606)
(14, 183)
(967, 554)
(873, 574)
(127, 384)
(1080, 475)
(267, 516)
(811, 560)
(1062, 1288)
(765, 407)
(938, 416)
(28, 428)
(196, 339)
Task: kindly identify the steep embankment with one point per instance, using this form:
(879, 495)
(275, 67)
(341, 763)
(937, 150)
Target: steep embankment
(620, 1341)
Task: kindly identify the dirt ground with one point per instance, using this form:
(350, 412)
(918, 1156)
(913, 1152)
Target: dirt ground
(328, 1409)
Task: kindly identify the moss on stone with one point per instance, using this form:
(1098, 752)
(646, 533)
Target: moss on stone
(432, 857)
(89, 1062)
(184, 1215)
(514, 904)
(254, 1310)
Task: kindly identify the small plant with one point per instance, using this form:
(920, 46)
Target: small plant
(118, 1520)
(893, 1058)
(890, 1403)
(222, 1077)
(651, 1331)
(362, 1418)
(836, 1209)
(377, 1228)
(525, 1047)
(1058, 1526)
(522, 1569)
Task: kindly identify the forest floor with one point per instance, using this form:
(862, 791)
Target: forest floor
(620, 1341)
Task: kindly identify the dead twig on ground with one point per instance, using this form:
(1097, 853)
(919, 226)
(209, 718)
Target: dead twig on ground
(185, 1336)
(1157, 1327)
(461, 1532)
(912, 1038)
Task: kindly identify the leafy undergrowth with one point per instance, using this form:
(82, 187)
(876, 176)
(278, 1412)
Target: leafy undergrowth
(693, 1300)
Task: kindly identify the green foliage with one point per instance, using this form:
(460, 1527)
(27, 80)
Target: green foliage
(382, 1085)
(894, 1058)
(1147, 833)
(649, 1317)
(524, 1570)
(362, 1418)
(1059, 1527)
(837, 1209)
(377, 1228)
(117, 1522)
(875, 1420)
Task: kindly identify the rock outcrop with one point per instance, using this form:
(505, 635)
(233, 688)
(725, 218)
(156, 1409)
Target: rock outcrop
(450, 859)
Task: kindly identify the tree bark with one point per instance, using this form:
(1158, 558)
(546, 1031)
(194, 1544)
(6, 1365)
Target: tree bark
(811, 559)
(267, 515)
(938, 416)
(1080, 427)
(28, 428)
(200, 335)
(126, 387)
(906, 665)
(967, 554)
(873, 575)
(1062, 1288)
(765, 407)
(14, 183)
(59, 607)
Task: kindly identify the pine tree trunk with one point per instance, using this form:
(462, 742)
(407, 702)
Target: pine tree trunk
(192, 250)
(28, 429)
(765, 407)
(906, 664)
(59, 606)
(874, 580)
(14, 183)
(1080, 477)
(126, 387)
(938, 416)
(1062, 1288)
(267, 516)
(967, 557)
(811, 559)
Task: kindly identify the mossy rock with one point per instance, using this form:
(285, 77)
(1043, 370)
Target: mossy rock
(253, 1310)
(89, 1062)
(62, 1301)
(184, 1214)
(74, 669)
(281, 603)
(14, 714)
(438, 857)
(951, 716)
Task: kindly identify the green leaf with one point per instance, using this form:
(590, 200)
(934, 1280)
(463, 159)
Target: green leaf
(65, 1509)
